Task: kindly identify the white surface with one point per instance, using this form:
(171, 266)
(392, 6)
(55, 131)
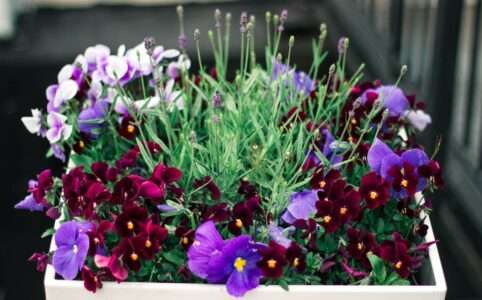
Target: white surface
(74, 290)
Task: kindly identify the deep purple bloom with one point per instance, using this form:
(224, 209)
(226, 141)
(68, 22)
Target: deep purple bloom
(72, 246)
(301, 206)
(91, 119)
(236, 265)
(207, 244)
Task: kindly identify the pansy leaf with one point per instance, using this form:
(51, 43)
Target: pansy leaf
(378, 268)
(284, 284)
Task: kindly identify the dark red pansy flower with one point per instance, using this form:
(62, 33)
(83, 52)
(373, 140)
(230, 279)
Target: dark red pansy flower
(320, 181)
(273, 260)
(75, 185)
(104, 172)
(41, 259)
(348, 207)
(254, 203)
(44, 183)
(149, 241)
(131, 220)
(208, 183)
(295, 257)
(92, 282)
(420, 229)
(129, 255)
(246, 188)
(335, 191)
(152, 191)
(97, 236)
(128, 160)
(126, 190)
(403, 207)
(97, 193)
(164, 174)
(308, 228)
(327, 212)
(184, 272)
(404, 178)
(359, 244)
(216, 213)
(185, 235)
(128, 128)
(433, 172)
(242, 217)
(395, 252)
(374, 190)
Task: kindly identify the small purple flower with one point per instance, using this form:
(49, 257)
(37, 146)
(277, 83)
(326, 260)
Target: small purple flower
(300, 80)
(72, 246)
(418, 119)
(58, 152)
(58, 129)
(30, 204)
(207, 244)
(34, 123)
(94, 54)
(393, 99)
(301, 206)
(91, 119)
(236, 265)
(216, 100)
(279, 235)
(58, 94)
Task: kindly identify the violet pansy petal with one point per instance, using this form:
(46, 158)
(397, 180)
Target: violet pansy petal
(288, 217)
(30, 204)
(376, 153)
(54, 135)
(82, 244)
(66, 90)
(388, 162)
(67, 233)
(51, 91)
(278, 235)
(241, 282)
(302, 204)
(415, 157)
(64, 262)
(394, 99)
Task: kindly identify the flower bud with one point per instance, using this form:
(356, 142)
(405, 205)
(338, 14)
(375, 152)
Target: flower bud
(197, 34)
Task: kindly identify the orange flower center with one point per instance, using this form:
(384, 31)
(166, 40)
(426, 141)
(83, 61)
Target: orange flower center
(148, 244)
(130, 225)
(96, 240)
(398, 265)
(131, 128)
(81, 144)
(271, 263)
(373, 195)
(185, 240)
(238, 223)
(296, 262)
(404, 183)
(360, 246)
(322, 184)
(134, 256)
(343, 211)
(327, 219)
(353, 121)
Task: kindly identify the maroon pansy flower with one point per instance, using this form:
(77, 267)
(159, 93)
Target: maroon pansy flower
(328, 212)
(241, 218)
(104, 172)
(128, 160)
(128, 128)
(246, 188)
(131, 220)
(149, 241)
(41, 259)
(126, 190)
(320, 181)
(359, 244)
(308, 228)
(208, 183)
(216, 213)
(295, 257)
(395, 252)
(185, 235)
(273, 260)
(433, 172)
(129, 255)
(348, 207)
(97, 237)
(374, 190)
(92, 282)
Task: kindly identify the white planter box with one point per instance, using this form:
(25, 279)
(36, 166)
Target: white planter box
(432, 278)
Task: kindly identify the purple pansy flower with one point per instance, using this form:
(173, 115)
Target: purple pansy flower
(300, 80)
(301, 206)
(58, 129)
(236, 265)
(279, 235)
(113, 70)
(58, 152)
(418, 119)
(393, 99)
(93, 55)
(400, 170)
(207, 243)
(34, 123)
(29, 203)
(91, 119)
(57, 94)
(72, 246)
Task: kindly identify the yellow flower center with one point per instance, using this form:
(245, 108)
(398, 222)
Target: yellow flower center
(130, 225)
(238, 223)
(373, 195)
(404, 183)
(185, 240)
(81, 144)
(327, 219)
(398, 265)
(296, 262)
(359, 246)
(96, 240)
(271, 263)
(134, 256)
(353, 121)
(322, 184)
(239, 264)
(343, 211)
(148, 244)
(130, 128)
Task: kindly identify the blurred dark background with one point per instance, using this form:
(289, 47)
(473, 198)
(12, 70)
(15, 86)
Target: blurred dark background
(439, 40)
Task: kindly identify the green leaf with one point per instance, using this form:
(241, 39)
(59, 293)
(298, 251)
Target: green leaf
(284, 285)
(175, 257)
(378, 268)
(48, 232)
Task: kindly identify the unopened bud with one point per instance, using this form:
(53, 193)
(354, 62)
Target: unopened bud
(291, 42)
(180, 11)
(197, 34)
(331, 70)
(268, 17)
(275, 20)
(403, 70)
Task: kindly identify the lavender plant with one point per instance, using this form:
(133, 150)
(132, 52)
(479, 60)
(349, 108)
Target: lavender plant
(275, 177)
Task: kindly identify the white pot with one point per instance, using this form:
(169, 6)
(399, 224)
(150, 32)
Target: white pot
(432, 287)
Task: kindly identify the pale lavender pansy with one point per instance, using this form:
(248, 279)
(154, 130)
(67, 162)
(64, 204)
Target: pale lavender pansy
(58, 152)
(301, 206)
(418, 119)
(58, 94)
(94, 54)
(33, 123)
(29, 202)
(280, 235)
(58, 129)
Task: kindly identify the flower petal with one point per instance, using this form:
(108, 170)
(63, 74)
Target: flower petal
(376, 153)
